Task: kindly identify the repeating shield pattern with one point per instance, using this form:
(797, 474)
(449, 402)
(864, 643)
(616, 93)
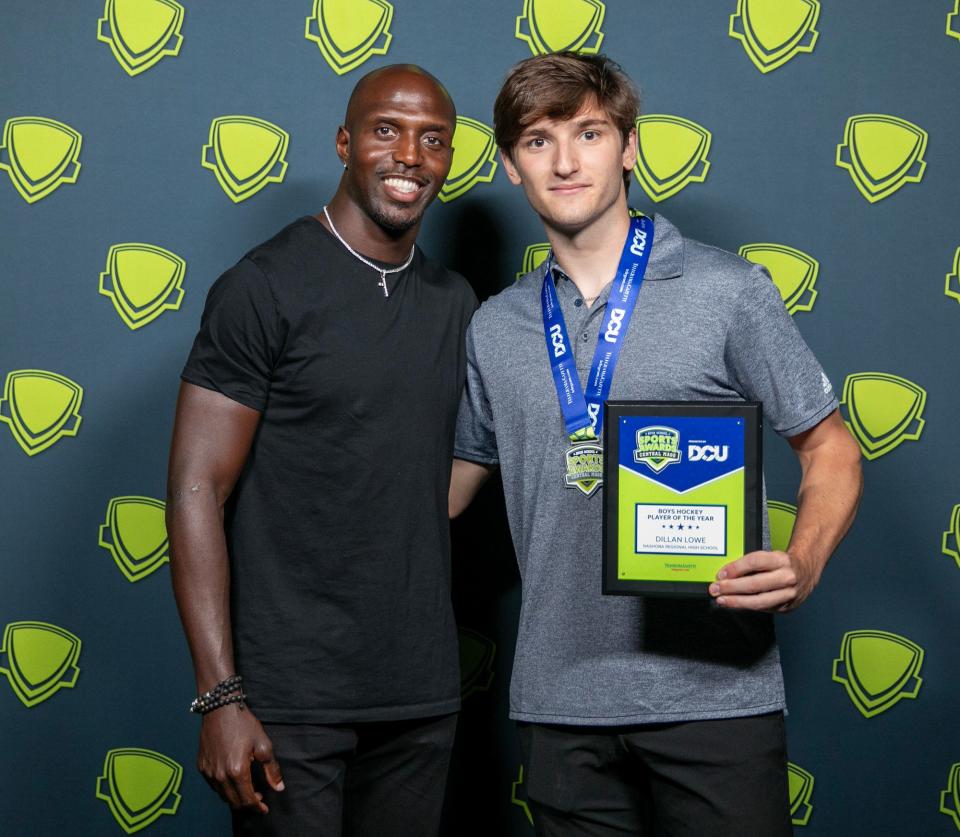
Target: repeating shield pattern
(349, 32)
(558, 25)
(878, 669)
(793, 272)
(671, 154)
(39, 660)
(141, 32)
(39, 155)
(142, 281)
(40, 408)
(774, 31)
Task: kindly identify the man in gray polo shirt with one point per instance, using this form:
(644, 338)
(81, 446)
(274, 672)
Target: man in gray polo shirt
(637, 713)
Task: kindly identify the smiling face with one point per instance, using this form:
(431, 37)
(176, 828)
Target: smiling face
(572, 169)
(397, 146)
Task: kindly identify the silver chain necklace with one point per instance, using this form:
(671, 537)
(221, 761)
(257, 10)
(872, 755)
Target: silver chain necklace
(381, 270)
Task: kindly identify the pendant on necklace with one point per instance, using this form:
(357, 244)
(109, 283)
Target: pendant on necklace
(383, 282)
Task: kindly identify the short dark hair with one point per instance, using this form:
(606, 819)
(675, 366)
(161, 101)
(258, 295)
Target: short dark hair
(556, 86)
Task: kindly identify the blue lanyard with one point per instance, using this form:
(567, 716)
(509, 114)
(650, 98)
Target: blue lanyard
(583, 413)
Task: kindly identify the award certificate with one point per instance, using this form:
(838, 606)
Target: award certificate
(681, 493)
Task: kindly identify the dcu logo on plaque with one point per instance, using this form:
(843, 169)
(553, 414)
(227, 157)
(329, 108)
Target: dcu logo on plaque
(40, 408)
(349, 32)
(558, 25)
(793, 272)
(476, 662)
(882, 154)
(774, 31)
(39, 660)
(142, 281)
(135, 533)
(474, 158)
(671, 154)
(534, 256)
(246, 154)
(800, 786)
(139, 786)
(878, 669)
(141, 32)
(883, 411)
(39, 155)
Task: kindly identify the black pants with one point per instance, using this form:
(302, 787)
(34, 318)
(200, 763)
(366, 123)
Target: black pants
(382, 779)
(725, 778)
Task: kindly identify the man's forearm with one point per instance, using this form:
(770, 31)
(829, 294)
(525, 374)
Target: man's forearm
(200, 572)
(827, 501)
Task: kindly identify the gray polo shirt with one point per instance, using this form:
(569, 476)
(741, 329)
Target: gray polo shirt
(708, 325)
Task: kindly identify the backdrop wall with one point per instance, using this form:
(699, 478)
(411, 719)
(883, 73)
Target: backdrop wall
(147, 144)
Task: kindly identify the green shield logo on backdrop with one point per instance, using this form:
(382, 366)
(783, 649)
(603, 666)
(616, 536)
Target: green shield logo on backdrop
(782, 517)
(774, 31)
(245, 154)
(142, 281)
(349, 32)
(882, 153)
(476, 662)
(518, 796)
(671, 154)
(39, 659)
(558, 25)
(800, 786)
(883, 411)
(474, 158)
(139, 786)
(952, 288)
(950, 797)
(534, 256)
(136, 535)
(953, 21)
(951, 538)
(878, 669)
(793, 272)
(141, 32)
(39, 155)
(40, 408)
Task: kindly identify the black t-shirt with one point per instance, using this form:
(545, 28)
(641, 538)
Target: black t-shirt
(337, 528)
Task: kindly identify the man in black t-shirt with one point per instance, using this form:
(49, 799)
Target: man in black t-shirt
(307, 497)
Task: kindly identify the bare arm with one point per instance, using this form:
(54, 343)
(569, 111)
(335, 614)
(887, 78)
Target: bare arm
(211, 440)
(465, 482)
(830, 488)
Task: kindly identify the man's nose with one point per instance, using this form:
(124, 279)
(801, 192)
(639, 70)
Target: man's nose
(407, 150)
(565, 161)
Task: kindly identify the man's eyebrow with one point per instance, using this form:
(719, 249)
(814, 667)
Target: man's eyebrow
(593, 121)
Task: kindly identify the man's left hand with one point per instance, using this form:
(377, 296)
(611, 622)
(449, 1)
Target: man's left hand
(769, 581)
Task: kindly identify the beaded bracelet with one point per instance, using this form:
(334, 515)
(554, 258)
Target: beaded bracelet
(208, 701)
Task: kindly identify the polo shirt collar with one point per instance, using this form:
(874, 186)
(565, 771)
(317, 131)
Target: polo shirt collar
(666, 258)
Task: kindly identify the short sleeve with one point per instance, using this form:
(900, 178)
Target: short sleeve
(476, 440)
(240, 338)
(772, 363)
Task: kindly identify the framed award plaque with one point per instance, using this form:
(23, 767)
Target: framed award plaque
(681, 493)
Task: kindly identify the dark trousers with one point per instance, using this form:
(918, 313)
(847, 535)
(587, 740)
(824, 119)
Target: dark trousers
(724, 778)
(380, 779)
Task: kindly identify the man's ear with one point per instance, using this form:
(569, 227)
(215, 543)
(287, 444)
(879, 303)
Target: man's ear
(510, 168)
(343, 144)
(630, 150)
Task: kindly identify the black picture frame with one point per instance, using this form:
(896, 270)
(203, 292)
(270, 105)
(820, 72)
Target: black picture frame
(751, 412)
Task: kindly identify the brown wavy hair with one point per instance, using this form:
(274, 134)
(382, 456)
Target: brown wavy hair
(557, 86)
